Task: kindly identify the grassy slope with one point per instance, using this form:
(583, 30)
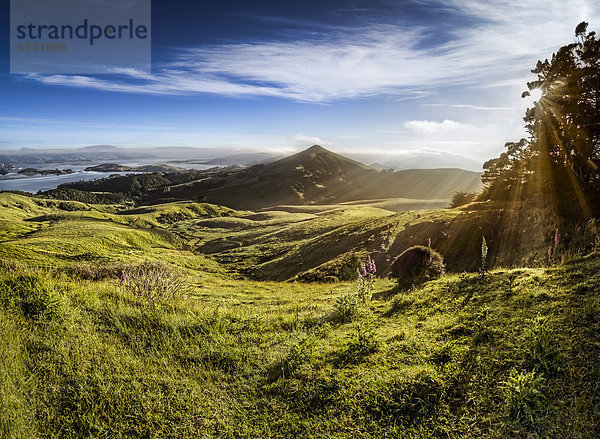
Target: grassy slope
(512, 355)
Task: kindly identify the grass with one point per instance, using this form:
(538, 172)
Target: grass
(514, 354)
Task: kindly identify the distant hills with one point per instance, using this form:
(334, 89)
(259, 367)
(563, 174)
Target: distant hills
(181, 155)
(246, 159)
(319, 176)
(313, 176)
(115, 167)
(114, 154)
(421, 159)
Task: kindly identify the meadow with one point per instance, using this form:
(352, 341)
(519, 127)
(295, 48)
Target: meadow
(233, 343)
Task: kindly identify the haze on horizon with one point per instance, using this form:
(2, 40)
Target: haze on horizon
(414, 79)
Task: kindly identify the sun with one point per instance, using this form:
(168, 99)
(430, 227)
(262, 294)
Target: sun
(536, 94)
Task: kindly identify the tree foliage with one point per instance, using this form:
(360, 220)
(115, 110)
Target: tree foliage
(461, 198)
(560, 157)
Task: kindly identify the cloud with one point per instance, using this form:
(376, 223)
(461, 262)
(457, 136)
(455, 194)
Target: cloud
(499, 47)
(428, 127)
(471, 107)
(303, 140)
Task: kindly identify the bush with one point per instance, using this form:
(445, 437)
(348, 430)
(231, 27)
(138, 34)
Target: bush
(417, 265)
(27, 296)
(460, 198)
(154, 281)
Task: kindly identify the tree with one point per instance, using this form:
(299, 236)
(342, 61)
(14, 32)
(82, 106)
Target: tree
(560, 158)
(505, 175)
(461, 198)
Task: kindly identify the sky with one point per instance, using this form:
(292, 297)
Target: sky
(389, 77)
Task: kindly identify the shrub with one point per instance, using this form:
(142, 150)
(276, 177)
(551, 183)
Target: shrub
(417, 265)
(347, 308)
(523, 395)
(154, 281)
(27, 296)
(460, 198)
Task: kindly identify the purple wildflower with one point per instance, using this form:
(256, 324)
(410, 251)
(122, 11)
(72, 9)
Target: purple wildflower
(123, 279)
(556, 237)
(550, 251)
(364, 270)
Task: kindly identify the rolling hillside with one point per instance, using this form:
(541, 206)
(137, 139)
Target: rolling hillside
(512, 354)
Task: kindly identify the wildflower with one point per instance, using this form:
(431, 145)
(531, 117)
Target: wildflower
(550, 251)
(366, 278)
(370, 266)
(123, 279)
(556, 237)
(484, 253)
(484, 248)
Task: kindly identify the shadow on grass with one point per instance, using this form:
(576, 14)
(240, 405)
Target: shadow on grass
(387, 294)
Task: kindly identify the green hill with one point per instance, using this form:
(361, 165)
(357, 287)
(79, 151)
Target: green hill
(309, 243)
(511, 354)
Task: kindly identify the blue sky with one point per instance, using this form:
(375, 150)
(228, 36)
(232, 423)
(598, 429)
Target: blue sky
(393, 77)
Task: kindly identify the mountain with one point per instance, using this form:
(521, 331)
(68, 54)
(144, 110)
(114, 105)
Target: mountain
(319, 176)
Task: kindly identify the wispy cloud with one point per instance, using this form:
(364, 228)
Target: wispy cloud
(368, 60)
(428, 127)
(471, 107)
